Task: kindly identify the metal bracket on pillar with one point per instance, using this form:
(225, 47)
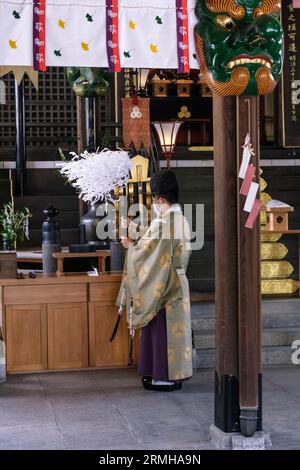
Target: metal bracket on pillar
(20, 138)
(248, 421)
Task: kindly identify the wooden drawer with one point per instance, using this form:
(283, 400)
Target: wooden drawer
(46, 294)
(104, 291)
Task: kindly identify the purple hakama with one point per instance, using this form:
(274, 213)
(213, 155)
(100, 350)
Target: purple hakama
(153, 355)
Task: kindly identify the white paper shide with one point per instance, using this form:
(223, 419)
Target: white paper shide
(96, 175)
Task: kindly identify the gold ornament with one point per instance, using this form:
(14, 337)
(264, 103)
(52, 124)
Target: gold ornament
(273, 251)
(276, 269)
(270, 237)
(278, 286)
(274, 272)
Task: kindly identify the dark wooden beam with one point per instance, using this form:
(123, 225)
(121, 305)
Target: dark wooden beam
(249, 276)
(237, 272)
(20, 137)
(226, 264)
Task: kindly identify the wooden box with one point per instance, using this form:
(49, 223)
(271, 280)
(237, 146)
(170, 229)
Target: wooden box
(160, 87)
(204, 89)
(8, 265)
(277, 218)
(184, 88)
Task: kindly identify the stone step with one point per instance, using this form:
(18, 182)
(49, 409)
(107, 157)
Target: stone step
(205, 358)
(46, 182)
(270, 337)
(280, 336)
(275, 314)
(4, 173)
(271, 355)
(276, 355)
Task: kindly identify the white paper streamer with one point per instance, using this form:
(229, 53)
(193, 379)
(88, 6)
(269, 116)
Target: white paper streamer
(96, 175)
(251, 197)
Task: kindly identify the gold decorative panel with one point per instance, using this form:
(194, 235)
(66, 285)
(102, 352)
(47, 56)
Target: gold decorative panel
(273, 251)
(265, 198)
(276, 269)
(262, 184)
(278, 286)
(270, 237)
(274, 272)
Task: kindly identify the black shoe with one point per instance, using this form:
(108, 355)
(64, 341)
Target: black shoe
(148, 385)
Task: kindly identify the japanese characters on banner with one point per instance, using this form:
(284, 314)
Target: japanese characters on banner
(291, 73)
(249, 188)
(98, 33)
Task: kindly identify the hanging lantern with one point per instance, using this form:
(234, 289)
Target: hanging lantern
(167, 134)
(142, 84)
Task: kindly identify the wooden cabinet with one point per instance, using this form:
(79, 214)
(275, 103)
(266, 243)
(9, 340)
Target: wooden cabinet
(26, 337)
(102, 318)
(41, 337)
(54, 324)
(67, 336)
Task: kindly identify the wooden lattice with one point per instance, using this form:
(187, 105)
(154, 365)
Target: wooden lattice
(50, 113)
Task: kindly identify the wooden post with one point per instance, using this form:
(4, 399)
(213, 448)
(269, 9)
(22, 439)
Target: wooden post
(81, 142)
(249, 293)
(20, 137)
(237, 273)
(226, 264)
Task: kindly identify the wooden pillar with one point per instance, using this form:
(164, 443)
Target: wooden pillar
(20, 137)
(237, 272)
(226, 264)
(249, 292)
(87, 130)
(81, 141)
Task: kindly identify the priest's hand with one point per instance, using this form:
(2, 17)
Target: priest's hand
(125, 222)
(126, 242)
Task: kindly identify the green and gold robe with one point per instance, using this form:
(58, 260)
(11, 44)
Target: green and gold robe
(155, 277)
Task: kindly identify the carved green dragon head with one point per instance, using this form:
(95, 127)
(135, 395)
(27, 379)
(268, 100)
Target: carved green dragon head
(239, 45)
(88, 82)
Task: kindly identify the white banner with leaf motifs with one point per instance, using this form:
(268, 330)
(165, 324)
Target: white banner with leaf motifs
(76, 35)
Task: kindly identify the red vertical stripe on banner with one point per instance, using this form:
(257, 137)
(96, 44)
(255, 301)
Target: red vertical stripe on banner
(185, 24)
(39, 35)
(115, 22)
(182, 24)
(112, 35)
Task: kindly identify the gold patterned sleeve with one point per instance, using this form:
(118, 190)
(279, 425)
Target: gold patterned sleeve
(149, 264)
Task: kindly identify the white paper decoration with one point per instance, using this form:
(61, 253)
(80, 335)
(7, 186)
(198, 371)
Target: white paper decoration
(96, 175)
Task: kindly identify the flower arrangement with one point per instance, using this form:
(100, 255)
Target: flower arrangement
(96, 175)
(13, 224)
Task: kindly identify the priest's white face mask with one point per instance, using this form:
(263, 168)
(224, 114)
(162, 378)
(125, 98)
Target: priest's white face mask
(156, 206)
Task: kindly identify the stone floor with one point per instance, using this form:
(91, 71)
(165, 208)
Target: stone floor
(110, 410)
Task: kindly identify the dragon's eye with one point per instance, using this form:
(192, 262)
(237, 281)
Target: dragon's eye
(225, 22)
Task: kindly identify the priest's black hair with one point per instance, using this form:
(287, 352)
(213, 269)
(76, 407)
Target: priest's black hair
(164, 184)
